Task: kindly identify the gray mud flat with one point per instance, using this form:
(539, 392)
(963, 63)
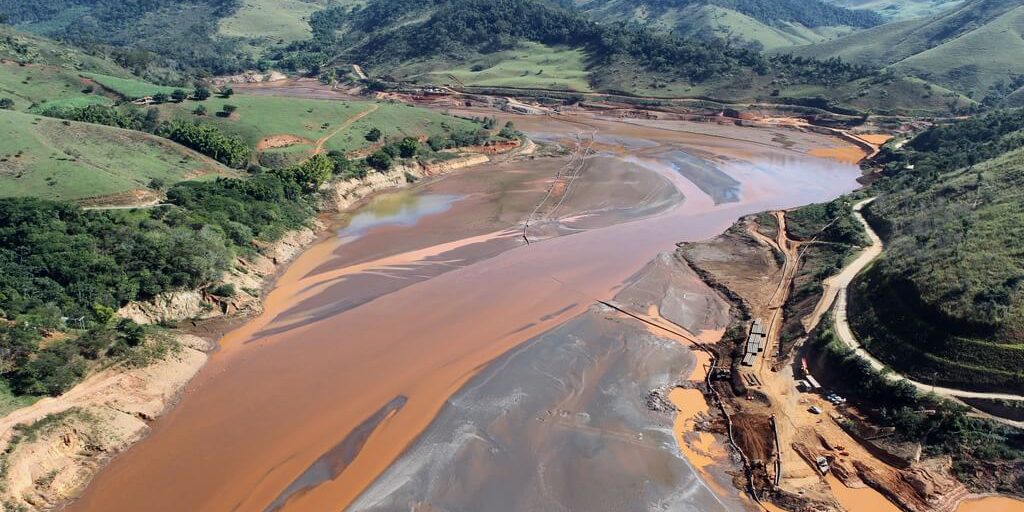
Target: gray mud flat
(558, 424)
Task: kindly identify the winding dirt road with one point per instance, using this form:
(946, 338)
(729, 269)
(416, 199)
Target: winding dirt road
(836, 289)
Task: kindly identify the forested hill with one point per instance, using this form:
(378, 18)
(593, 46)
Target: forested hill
(946, 299)
(809, 13)
(443, 32)
(458, 27)
(143, 34)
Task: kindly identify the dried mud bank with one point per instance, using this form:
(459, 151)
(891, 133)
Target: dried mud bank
(49, 451)
(581, 417)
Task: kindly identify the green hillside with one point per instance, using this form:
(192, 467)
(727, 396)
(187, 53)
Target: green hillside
(266, 23)
(945, 302)
(972, 48)
(899, 9)
(530, 44)
(157, 39)
(54, 159)
(22, 48)
(45, 85)
(766, 25)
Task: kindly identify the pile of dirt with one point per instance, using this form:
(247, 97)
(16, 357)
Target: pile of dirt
(753, 434)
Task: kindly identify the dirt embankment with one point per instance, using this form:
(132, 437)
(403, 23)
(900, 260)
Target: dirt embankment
(72, 436)
(343, 195)
(52, 448)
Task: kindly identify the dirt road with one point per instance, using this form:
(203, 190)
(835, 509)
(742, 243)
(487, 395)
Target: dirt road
(840, 281)
(319, 148)
(836, 288)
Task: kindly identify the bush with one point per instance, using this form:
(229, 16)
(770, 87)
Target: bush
(373, 135)
(408, 147)
(99, 114)
(380, 160)
(223, 290)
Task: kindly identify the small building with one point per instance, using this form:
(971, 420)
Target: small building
(813, 382)
(748, 360)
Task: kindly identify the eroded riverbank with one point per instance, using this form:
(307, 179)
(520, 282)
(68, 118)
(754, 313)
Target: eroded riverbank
(364, 341)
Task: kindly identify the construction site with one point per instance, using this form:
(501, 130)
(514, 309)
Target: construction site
(805, 447)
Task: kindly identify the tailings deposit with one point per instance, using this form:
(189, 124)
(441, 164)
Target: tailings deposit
(424, 354)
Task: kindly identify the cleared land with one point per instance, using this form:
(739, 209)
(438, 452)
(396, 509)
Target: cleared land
(54, 159)
(274, 21)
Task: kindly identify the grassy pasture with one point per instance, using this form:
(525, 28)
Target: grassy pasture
(532, 65)
(53, 159)
(130, 88)
(260, 117)
(266, 23)
(44, 85)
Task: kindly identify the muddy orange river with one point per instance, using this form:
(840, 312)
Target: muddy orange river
(423, 356)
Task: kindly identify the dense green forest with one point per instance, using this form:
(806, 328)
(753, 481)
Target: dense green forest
(153, 38)
(66, 270)
(946, 298)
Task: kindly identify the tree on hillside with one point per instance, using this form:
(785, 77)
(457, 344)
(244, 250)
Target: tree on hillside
(227, 92)
(310, 174)
(200, 110)
(201, 93)
(408, 147)
(379, 160)
(161, 97)
(6, 103)
(373, 135)
(179, 95)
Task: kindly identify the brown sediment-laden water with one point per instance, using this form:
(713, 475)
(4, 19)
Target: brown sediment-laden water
(424, 354)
